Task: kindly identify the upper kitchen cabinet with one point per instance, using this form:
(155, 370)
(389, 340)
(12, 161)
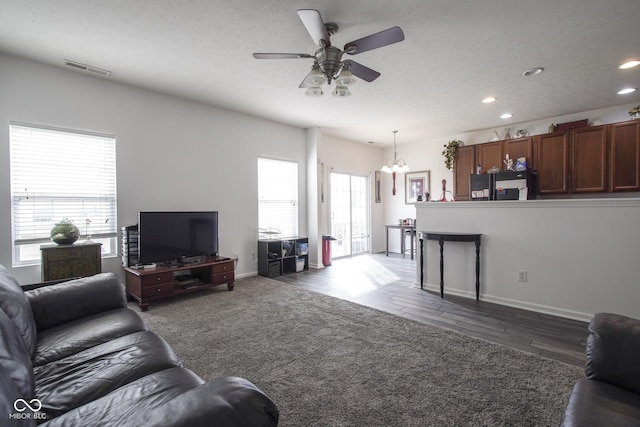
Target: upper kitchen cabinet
(490, 155)
(589, 159)
(519, 147)
(553, 162)
(624, 156)
(464, 165)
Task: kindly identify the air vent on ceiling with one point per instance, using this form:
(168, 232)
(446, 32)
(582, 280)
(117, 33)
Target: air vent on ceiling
(87, 68)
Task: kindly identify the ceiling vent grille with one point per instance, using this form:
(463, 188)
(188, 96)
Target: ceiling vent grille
(87, 68)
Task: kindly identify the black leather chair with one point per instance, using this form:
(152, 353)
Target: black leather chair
(610, 393)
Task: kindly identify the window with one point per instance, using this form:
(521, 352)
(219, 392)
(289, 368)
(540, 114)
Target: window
(57, 174)
(278, 196)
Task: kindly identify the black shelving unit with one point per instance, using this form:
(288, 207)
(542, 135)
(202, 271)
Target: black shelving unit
(282, 256)
(129, 245)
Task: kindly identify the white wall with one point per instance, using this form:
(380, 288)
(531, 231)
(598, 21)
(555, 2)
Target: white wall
(171, 154)
(339, 155)
(581, 256)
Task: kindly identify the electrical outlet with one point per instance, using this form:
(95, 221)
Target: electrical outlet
(253, 256)
(522, 275)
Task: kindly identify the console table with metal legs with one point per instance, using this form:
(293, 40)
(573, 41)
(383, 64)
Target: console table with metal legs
(442, 237)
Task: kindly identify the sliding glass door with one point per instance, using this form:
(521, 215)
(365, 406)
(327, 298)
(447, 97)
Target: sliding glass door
(349, 214)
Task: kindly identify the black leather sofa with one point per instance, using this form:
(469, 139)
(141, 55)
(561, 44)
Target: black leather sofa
(72, 354)
(610, 393)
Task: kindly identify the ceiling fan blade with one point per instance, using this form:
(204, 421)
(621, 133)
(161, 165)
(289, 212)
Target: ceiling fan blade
(374, 41)
(304, 84)
(281, 55)
(315, 26)
(359, 70)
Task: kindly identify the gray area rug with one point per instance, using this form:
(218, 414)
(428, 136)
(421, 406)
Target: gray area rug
(330, 362)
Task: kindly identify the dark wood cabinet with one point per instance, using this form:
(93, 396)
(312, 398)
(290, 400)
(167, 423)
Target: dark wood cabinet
(68, 261)
(553, 162)
(624, 156)
(151, 284)
(490, 155)
(589, 159)
(464, 165)
(519, 147)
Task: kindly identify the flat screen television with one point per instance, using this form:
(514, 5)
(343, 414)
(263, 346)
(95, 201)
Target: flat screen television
(171, 236)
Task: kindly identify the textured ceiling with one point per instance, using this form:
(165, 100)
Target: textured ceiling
(454, 54)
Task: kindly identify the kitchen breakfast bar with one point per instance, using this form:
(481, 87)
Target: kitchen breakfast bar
(565, 257)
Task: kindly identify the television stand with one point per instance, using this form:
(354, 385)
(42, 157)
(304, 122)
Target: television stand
(146, 285)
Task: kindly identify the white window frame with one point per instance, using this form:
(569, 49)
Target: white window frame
(56, 174)
(278, 197)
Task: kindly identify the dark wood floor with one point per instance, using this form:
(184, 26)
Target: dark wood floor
(387, 283)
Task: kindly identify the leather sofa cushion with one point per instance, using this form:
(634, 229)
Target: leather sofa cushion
(78, 335)
(8, 395)
(75, 299)
(15, 304)
(14, 359)
(124, 405)
(613, 349)
(596, 403)
(178, 397)
(75, 380)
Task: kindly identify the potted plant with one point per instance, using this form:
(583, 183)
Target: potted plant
(64, 232)
(635, 112)
(449, 152)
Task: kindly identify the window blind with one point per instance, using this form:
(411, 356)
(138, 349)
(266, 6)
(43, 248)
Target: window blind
(278, 196)
(58, 174)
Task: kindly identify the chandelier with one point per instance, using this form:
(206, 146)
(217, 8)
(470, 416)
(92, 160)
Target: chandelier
(395, 165)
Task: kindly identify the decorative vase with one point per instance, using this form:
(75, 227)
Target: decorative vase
(64, 232)
(636, 116)
(507, 134)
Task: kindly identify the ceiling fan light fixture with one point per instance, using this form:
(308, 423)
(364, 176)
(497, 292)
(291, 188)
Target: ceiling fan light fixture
(314, 91)
(345, 78)
(341, 91)
(315, 77)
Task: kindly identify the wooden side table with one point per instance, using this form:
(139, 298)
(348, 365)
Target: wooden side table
(68, 261)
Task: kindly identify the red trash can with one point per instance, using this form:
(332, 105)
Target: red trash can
(326, 249)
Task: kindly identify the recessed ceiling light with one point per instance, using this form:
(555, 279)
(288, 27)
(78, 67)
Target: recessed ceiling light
(533, 71)
(489, 99)
(629, 64)
(626, 90)
(506, 116)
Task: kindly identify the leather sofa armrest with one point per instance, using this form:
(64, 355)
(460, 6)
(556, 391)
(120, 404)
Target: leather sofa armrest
(74, 299)
(223, 402)
(613, 350)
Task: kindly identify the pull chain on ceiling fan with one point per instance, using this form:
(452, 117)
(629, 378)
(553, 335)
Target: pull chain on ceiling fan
(328, 65)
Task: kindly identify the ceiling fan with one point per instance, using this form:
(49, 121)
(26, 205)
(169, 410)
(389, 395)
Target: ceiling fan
(328, 65)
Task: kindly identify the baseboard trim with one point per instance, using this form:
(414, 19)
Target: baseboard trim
(538, 308)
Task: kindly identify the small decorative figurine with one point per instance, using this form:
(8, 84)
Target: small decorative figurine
(508, 163)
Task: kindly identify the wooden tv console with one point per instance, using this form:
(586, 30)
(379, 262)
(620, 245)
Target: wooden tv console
(150, 284)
